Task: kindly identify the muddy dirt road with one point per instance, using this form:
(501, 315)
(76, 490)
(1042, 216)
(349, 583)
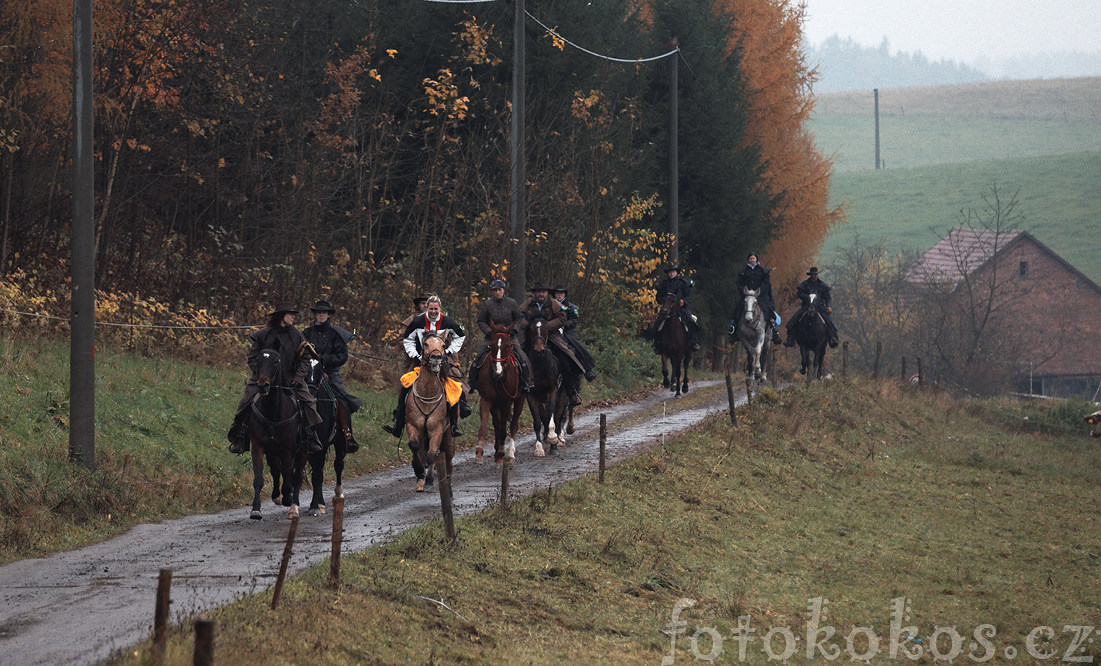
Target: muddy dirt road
(82, 606)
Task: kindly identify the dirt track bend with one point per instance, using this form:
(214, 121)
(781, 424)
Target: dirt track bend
(80, 607)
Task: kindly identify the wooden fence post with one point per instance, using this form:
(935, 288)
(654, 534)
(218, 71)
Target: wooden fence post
(603, 444)
(338, 536)
(878, 354)
(921, 375)
(283, 564)
(445, 494)
(504, 482)
(748, 392)
(160, 617)
(903, 369)
(730, 392)
(845, 358)
(204, 642)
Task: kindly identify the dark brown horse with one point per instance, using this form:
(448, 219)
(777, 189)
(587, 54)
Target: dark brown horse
(426, 418)
(499, 389)
(273, 432)
(330, 434)
(675, 345)
(812, 334)
(547, 400)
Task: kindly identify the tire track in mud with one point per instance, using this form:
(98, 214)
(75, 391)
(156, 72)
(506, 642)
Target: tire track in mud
(82, 606)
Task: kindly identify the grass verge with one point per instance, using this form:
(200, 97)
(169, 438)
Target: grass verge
(858, 494)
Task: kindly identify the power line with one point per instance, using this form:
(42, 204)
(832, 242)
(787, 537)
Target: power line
(594, 53)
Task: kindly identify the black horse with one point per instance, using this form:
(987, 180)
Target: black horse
(674, 344)
(273, 432)
(812, 335)
(547, 399)
(330, 435)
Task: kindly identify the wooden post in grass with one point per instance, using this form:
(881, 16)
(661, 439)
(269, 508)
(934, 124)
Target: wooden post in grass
(845, 358)
(903, 369)
(204, 642)
(338, 536)
(504, 483)
(748, 392)
(445, 494)
(283, 564)
(160, 617)
(603, 444)
(921, 375)
(878, 355)
(730, 393)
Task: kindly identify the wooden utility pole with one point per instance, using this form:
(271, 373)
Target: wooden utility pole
(82, 337)
(674, 173)
(876, 91)
(517, 186)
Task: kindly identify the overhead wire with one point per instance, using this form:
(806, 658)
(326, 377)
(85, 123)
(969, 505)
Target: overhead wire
(594, 53)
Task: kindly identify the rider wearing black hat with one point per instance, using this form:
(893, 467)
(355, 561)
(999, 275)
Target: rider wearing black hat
(756, 277)
(812, 285)
(420, 303)
(331, 344)
(571, 334)
(674, 284)
(294, 354)
(550, 310)
(501, 310)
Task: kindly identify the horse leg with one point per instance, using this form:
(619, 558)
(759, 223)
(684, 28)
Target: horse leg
(418, 464)
(684, 369)
(276, 478)
(317, 480)
(483, 430)
(569, 422)
(338, 466)
(286, 468)
(298, 470)
(513, 427)
(257, 480)
(665, 371)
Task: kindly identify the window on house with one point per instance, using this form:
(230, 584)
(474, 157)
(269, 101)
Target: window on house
(1024, 269)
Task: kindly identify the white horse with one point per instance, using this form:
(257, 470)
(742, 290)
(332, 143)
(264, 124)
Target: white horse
(754, 332)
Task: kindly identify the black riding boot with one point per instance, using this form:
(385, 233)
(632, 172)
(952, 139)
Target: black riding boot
(313, 439)
(695, 341)
(238, 435)
(399, 415)
(776, 336)
(525, 374)
(464, 409)
(453, 415)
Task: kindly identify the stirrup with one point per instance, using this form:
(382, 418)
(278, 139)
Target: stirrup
(455, 432)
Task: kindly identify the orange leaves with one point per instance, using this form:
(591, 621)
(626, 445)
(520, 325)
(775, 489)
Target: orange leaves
(443, 97)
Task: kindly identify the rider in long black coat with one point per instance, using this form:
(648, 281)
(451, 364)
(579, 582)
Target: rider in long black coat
(280, 335)
(542, 305)
(755, 276)
(812, 285)
(571, 334)
(674, 284)
(331, 344)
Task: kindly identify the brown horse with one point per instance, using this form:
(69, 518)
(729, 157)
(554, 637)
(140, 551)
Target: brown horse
(675, 345)
(426, 418)
(273, 432)
(499, 388)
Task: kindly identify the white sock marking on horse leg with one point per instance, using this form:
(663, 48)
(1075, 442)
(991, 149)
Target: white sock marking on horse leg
(510, 448)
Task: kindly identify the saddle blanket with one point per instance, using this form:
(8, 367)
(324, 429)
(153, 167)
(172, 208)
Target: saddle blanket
(452, 388)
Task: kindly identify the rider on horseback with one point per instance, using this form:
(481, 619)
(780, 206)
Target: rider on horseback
(501, 310)
(571, 334)
(812, 285)
(294, 355)
(331, 344)
(540, 305)
(755, 276)
(433, 322)
(682, 289)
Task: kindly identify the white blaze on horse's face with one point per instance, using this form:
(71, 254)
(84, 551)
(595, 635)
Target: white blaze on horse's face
(539, 342)
(498, 359)
(750, 303)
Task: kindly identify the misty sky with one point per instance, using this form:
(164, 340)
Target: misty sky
(961, 30)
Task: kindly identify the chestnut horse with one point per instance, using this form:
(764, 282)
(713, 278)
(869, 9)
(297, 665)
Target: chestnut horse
(499, 389)
(273, 432)
(426, 418)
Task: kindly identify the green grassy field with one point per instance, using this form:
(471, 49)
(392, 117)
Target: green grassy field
(943, 148)
(854, 493)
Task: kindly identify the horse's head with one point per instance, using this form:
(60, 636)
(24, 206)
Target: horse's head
(538, 333)
(750, 299)
(670, 305)
(268, 370)
(433, 355)
(315, 374)
(812, 301)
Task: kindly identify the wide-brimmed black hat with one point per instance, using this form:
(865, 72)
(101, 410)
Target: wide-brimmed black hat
(497, 284)
(423, 298)
(561, 288)
(281, 308)
(541, 286)
(672, 267)
(813, 270)
(323, 306)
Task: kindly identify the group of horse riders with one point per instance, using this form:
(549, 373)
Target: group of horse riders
(328, 343)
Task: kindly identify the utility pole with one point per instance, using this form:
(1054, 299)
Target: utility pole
(82, 377)
(674, 174)
(517, 186)
(876, 90)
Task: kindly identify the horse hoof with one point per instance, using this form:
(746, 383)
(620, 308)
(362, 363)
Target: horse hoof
(479, 455)
(293, 513)
(569, 429)
(256, 515)
(539, 450)
(420, 485)
(277, 500)
(338, 492)
(553, 449)
(313, 511)
(321, 509)
(287, 501)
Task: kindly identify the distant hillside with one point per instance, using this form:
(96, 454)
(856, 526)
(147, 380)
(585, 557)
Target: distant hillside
(846, 65)
(944, 147)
